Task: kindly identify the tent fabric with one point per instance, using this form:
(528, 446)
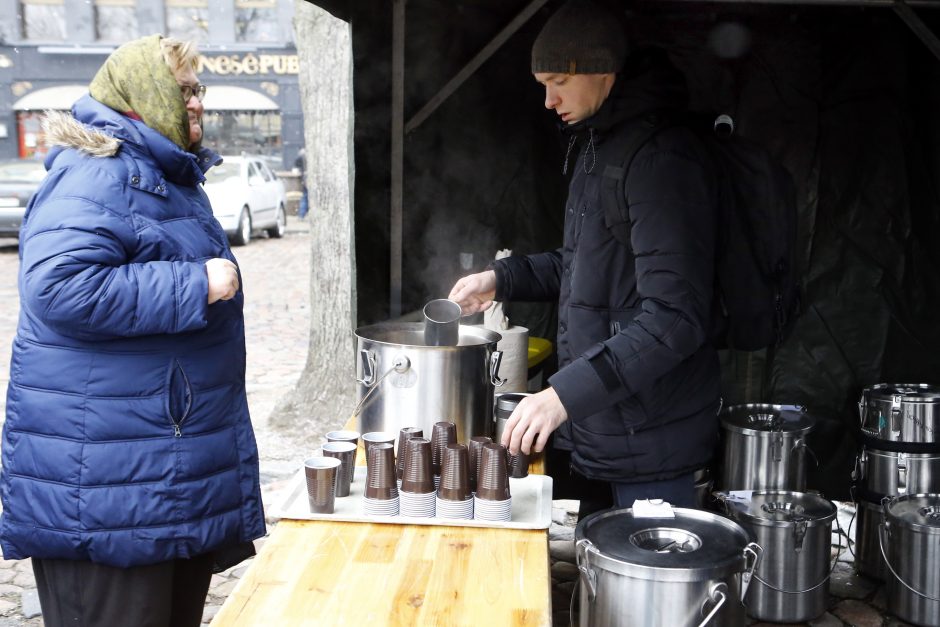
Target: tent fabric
(846, 97)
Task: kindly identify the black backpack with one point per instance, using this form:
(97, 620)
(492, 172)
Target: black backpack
(756, 279)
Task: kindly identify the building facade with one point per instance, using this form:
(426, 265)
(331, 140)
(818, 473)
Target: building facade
(53, 48)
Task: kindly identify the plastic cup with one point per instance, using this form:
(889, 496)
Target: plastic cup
(455, 473)
(321, 474)
(493, 480)
(403, 436)
(345, 452)
(442, 434)
(416, 477)
(344, 436)
(380, 473)
(477, 443)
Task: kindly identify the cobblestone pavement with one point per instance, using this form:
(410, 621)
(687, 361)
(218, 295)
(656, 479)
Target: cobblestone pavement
(276, 278)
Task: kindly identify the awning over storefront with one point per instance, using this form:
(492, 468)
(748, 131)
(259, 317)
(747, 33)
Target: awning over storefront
(230, 98)
(218, 98)
(58, 98)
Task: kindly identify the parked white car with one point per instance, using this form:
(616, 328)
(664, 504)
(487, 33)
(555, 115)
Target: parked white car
(246, 196)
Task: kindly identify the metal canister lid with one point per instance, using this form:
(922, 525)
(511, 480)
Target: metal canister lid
(906, 392)
(507, 401)
(693, 546)
(757, 418)
(919, 512)
(782, 508)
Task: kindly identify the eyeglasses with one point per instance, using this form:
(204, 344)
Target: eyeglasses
(188, 91)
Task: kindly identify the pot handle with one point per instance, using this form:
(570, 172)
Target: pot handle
(717, 595)
(367, 358)
(752, 553)
(882, 532)
(495, 359)
(582, 548)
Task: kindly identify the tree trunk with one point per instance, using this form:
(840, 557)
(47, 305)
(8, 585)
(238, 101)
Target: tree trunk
(324, 396)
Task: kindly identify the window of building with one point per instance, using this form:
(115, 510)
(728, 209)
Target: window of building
(43, 20)
(234, 132)
(116, 20)
(188, 20)
(256, 21)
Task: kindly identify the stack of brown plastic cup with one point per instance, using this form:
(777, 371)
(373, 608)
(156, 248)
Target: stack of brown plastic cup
(493, 501)
(454, 499)
(518, 465)
(403, 436)
(345, 436)
(345, 452)
(321, 475)
(442, 434)
(477, 443)
(381, 489)
(417, 483)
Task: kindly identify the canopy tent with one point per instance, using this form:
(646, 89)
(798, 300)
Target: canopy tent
(455, 154)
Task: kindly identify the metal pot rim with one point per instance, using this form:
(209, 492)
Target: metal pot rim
(759, 520)
(788, 427)
(924, 392)
(727, 564)
(470, 336)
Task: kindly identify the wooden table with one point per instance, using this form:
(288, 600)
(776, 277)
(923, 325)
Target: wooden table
(362, 574)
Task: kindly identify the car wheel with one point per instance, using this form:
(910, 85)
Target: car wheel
(243, 234)
(277, 231)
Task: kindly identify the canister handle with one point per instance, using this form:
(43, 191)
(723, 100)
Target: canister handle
(752, 550)
(718, 594)
(582, 548)
(902, 473)
(367, 359)
(882, 532)
(495, 359)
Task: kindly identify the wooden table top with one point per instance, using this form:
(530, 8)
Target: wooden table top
(346, 573)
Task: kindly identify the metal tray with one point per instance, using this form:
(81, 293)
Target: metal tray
(531, 505)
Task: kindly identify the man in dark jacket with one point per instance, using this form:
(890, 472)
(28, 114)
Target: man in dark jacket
(636, 396)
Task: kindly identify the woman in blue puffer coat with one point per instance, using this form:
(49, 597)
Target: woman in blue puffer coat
(129, 462)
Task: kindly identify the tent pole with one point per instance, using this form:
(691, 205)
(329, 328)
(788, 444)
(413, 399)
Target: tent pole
(397, 157)
(479, 59)
(917, 25)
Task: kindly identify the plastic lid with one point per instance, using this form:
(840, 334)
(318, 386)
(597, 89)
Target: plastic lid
(693, 546)
(909, 392)
(781, 508)
(920, 512)
(764, 418)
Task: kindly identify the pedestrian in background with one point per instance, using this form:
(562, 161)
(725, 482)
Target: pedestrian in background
(130, 470)
(635, 400)
(300, 164)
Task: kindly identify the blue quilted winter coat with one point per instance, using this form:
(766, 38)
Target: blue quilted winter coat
(127, 438)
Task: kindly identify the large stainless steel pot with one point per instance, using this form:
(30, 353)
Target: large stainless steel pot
(765, 447)
(910, 543)
(404, 383)
(868, 560)
(795, 530)
(901, 412)
(890, 473)
(686, 571)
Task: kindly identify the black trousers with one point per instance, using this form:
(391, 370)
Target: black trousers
(84, 594)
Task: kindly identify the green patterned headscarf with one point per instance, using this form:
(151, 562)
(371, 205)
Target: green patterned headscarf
(136, 79)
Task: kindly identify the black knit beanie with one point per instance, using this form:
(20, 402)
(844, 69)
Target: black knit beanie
(582, 37)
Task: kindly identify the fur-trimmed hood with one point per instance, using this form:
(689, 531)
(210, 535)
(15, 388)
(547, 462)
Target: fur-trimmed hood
(96, 130)
(61, 129)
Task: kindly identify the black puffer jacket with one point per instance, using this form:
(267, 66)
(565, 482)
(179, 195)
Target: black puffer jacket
(637, 376)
